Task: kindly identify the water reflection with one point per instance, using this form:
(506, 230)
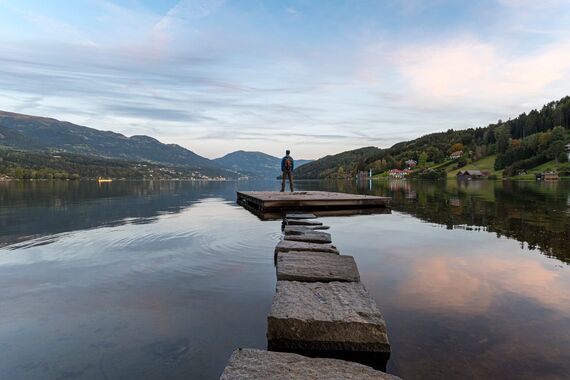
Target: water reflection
(535, 213)
(164, 279)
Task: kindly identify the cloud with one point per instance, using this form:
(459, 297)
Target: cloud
(469, 69)
(210, 70)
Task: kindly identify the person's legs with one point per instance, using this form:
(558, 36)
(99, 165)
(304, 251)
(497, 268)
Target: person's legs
(283, 181)
(291, 181)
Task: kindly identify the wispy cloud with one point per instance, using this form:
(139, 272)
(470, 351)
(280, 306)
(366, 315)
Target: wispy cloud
(262, 75)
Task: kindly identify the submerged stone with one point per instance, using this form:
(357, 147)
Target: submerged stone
(300, 216)
(250, 364)
(299, 230)
(328, 317)
(316, 267)
(303, 222)
(289, 245)
(311, 237)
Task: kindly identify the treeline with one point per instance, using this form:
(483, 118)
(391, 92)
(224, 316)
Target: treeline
(516, 155)
(36, 165)
(532, 138)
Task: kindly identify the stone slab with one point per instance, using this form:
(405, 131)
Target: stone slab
(325, 317)
(252, 364)
(303, 222)
(311, 237)
(316, 267)
(289, 245)
(295, 215)
(299, 230)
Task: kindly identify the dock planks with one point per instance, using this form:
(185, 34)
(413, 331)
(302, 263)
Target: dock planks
(267, 201)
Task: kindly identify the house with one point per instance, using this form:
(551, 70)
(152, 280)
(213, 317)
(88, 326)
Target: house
(411, 164)
(455, 155)
(548, 176)
(568, 151)
(472, 174)
(396, 173)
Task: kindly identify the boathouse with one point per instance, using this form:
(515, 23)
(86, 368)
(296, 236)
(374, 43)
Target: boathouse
(472, 174)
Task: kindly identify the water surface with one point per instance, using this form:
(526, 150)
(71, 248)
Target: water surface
(162, 280)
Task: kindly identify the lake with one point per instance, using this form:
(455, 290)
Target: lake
(162, 280)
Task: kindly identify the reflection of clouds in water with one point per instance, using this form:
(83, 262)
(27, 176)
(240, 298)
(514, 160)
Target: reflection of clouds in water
(473, 284)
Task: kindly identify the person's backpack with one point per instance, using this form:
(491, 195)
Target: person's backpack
(288, 164)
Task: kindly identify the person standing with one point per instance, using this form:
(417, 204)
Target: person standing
(287, 167)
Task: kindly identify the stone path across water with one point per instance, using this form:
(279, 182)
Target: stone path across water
(310, 237)
(299, 230)
(316, 267)
(247, 363)
(320, 309)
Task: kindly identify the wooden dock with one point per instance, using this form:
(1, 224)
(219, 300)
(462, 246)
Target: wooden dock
(320, 310)
(268, 201)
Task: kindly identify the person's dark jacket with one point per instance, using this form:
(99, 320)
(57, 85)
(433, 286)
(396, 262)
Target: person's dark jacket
(283, 163)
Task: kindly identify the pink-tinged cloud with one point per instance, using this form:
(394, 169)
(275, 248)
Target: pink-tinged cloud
(467, 69)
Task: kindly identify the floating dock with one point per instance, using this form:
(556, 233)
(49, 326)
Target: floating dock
(268, 201)
(320, 310)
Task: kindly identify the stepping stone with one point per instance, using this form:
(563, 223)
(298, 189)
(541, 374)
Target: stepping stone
(327, 318)
(300, 216)
(252, 364)
(303, 222)
(289, 245)
(311, 237)
(299, 230)
(316, 267)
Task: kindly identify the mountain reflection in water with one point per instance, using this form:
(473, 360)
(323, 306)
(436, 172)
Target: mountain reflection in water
(164, 279)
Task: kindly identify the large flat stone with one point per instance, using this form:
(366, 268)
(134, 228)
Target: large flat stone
(251, 364)
(311, 237)
(289, 245)
(303, 222)
(297, 215)
(325, 317)
(316, 267)
(299, 230)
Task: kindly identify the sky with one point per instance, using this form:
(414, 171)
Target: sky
(316, 77)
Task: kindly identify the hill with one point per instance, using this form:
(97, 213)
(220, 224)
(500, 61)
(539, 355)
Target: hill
(257, 164)
(485, 164)
(42, 134)
(519, 144)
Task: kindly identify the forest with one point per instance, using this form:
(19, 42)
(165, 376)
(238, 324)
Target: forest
(519, 144)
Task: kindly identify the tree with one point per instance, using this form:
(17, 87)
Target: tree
(423, 159)
(502, 135)
(456, 147)
(563, 157)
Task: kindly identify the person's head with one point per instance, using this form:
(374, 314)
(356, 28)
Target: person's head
(287, 152)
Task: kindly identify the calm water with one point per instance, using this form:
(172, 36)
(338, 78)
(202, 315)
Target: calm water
(163, 280)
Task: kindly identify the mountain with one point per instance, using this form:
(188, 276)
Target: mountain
(254, 163)
(329, 166)
(34, 133)
(522, 143)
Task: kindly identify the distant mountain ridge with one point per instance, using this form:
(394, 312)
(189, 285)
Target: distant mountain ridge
(254, 163)
(42, 134)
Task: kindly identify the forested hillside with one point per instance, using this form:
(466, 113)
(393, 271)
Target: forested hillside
(46, 166)
(42, 134)
(521, 143)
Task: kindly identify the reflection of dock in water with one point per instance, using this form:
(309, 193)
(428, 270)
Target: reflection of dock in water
(321, 312)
